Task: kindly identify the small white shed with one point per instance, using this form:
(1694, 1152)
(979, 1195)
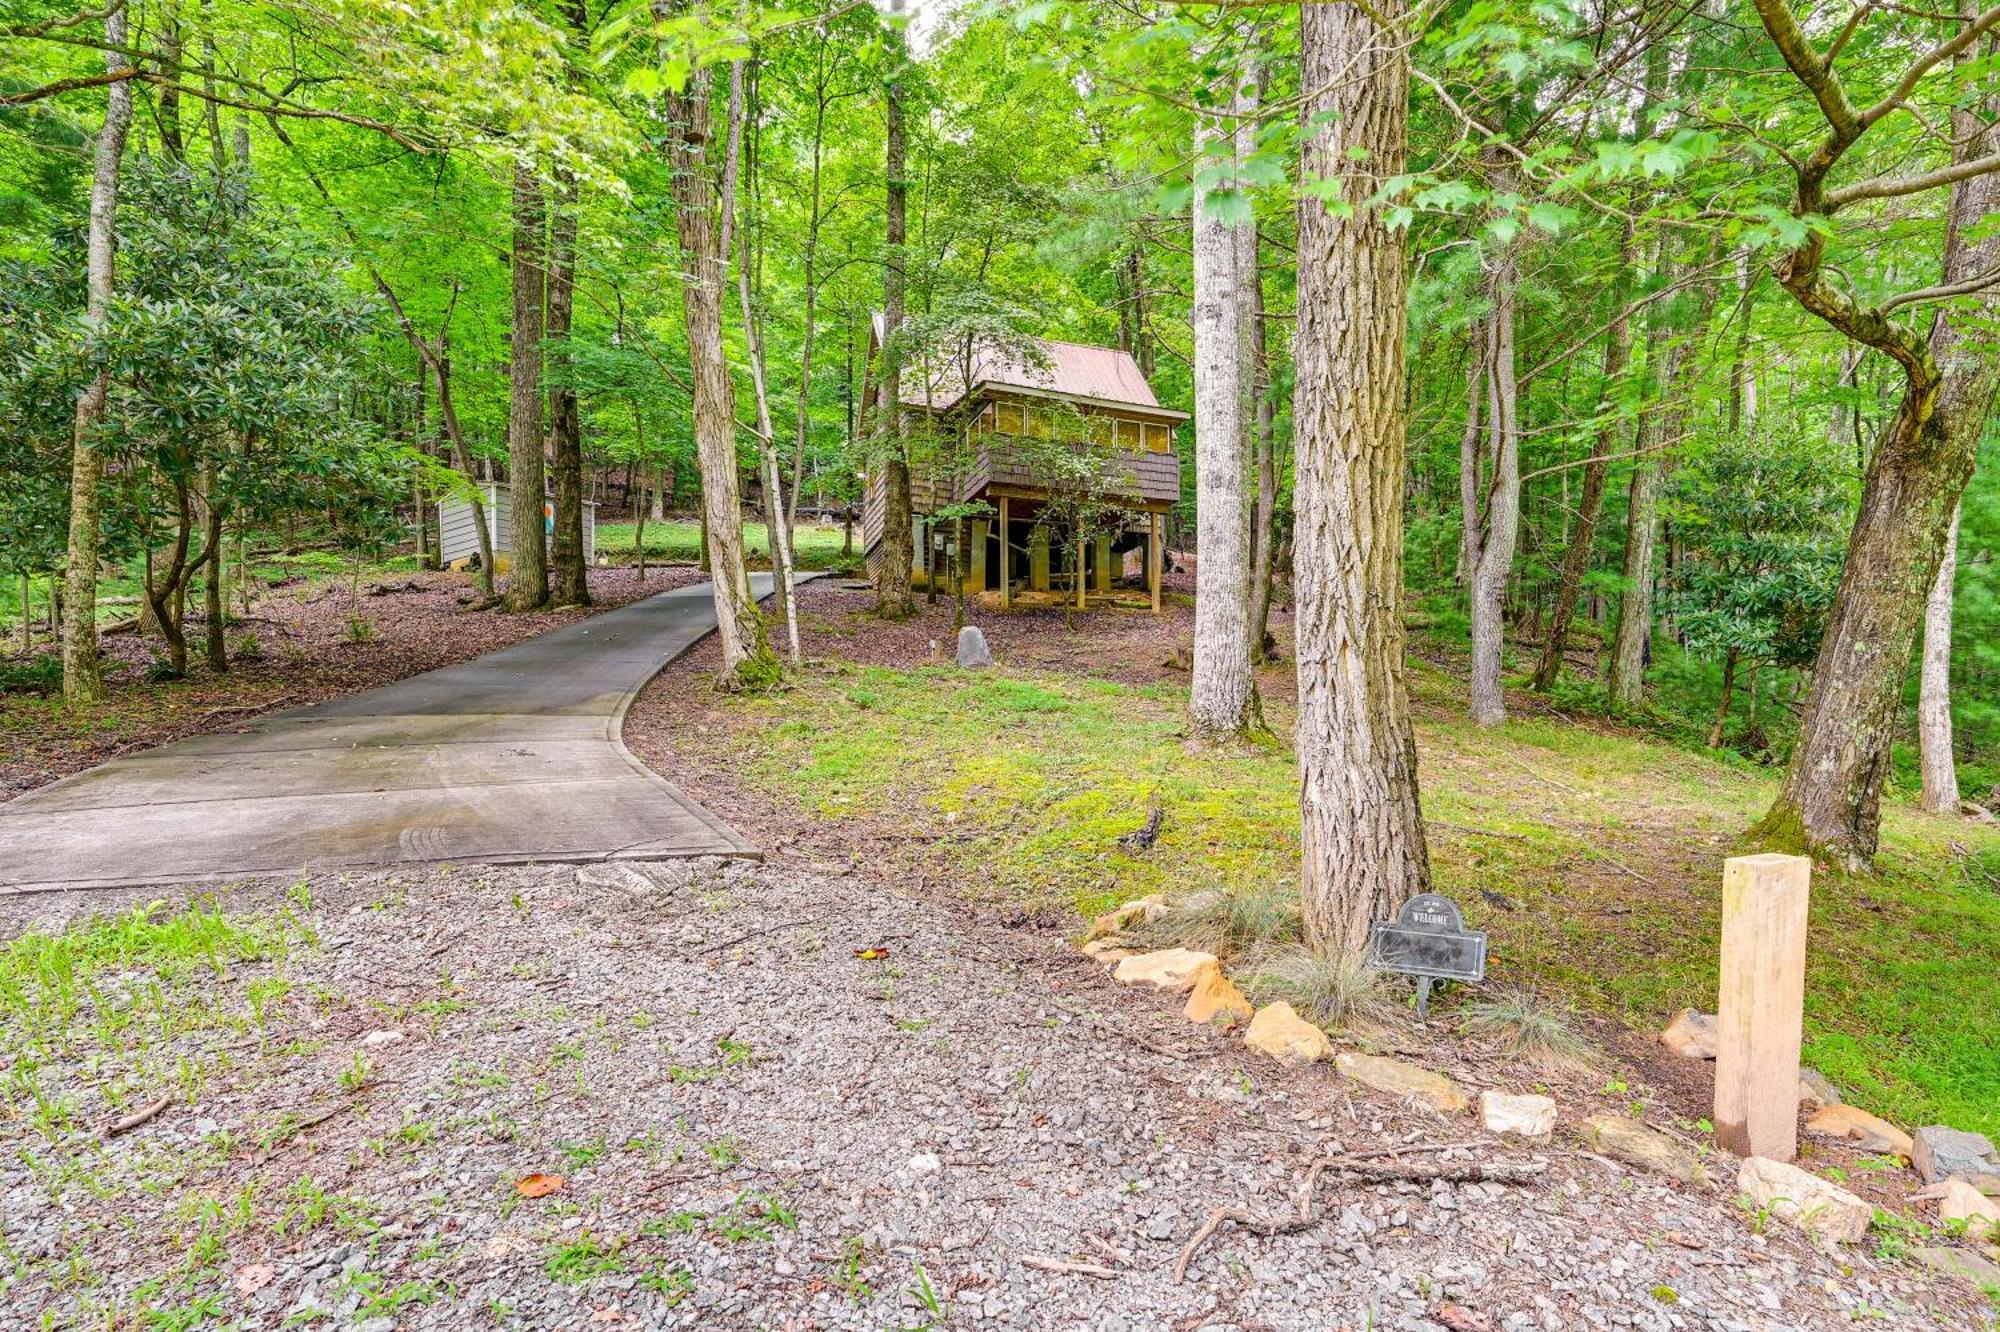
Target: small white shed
(458, 538)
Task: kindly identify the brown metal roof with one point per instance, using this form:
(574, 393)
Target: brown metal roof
(1072, 369)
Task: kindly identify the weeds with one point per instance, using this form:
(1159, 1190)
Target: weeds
(1335, 991)
(1529, 1027)
(1246, 922)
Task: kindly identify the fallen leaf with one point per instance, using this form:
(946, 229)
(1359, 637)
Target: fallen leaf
(871, 954)
(538, 1186)
(253, 1277)
(1461, 1319)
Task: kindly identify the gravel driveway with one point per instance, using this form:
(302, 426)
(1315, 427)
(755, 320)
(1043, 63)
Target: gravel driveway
(759, 1126)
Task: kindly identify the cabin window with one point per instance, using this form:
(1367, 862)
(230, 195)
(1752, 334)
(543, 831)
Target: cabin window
(1159, 438)
(1008, 415)
(1099, 430)
(1125, 434)
(1040, 424)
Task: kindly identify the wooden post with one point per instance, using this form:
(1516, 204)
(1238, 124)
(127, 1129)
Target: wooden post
(1760, 1009)
(973, 566)
(1155, 562)
(1038, 558)
(1100, 564)
(1006, 560)
(1080, 570)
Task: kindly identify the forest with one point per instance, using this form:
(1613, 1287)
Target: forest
(1529, 450)
(1652, 344)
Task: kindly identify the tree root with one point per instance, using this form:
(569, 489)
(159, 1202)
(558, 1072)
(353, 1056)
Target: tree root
(1306, 1216)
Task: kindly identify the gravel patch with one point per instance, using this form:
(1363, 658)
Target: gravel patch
(781, 1097)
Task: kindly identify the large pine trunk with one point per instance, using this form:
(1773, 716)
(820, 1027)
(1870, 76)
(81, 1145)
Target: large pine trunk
(569, 578)
(1363, 845)
(1222, 699)
(83, 676)
(528, 574)
(739, 627)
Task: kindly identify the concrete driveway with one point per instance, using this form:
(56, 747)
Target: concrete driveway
(511, 757)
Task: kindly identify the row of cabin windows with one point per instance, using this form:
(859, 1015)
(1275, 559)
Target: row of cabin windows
(1018, 418)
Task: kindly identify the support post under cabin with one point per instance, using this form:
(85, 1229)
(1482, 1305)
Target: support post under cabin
(1760, 1009)
(1038, 558)
(1101, 564)
(1006, 560)
(1155, 562)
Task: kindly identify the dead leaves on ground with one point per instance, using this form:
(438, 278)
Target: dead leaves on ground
(538, 1186)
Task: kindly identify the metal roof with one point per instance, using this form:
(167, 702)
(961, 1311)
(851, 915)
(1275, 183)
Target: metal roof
(1043, 365)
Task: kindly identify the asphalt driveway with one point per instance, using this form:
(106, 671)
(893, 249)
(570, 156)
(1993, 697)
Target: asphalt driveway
(511, 757)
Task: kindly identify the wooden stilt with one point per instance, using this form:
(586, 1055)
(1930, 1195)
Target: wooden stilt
(1155, 562)
(1006, 560)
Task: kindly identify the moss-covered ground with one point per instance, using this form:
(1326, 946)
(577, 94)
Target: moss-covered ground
(1592, 854)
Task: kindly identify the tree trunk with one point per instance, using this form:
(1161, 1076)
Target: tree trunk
(892, 578)
(1625, 683)
(1934, 694)
(776, 516)
(528, 576)
(1264, 531)
(1590, 505)
(1362, 844)
(569, 576)
(1222, 698)
(739, 628)
(1493, 556)
(83, 677)
(1722, 709)
(1468, 453)
(214, 648)
(1830, 804)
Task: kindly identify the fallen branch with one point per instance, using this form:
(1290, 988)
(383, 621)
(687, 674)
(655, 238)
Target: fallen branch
(126, 1123)
(1040, 1264)
(754, 934)
(1499, 1172)
(247, 707)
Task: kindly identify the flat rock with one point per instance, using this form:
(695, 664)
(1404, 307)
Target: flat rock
(1691, 1034)
(1815, 1090)
(1172, 970)
(1530, 1117)
(972, 650)
(1981, 1272)
(1627, 1140)
(1853, 1124)
(1278, 1031)
(1401, 1079)
(1940, 1152)
(1215, 999)
(1124, 916)
(1962, 1202)
(1815, 1205)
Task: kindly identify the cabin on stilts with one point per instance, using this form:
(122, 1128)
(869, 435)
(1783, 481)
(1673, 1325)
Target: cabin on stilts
(981, 435)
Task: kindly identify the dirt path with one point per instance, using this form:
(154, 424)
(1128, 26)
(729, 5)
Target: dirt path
(759, 1126)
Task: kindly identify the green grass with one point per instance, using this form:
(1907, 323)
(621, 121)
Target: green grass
(812, 547)
(1609, 846)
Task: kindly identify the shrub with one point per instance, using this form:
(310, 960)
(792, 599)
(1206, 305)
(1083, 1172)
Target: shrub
(40, 674)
